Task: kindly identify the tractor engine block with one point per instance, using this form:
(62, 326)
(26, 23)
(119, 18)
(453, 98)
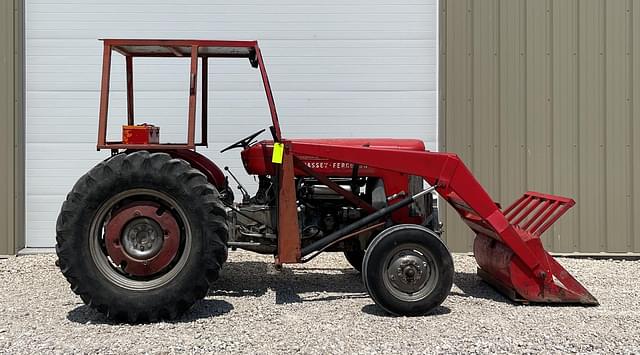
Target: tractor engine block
(321, 211)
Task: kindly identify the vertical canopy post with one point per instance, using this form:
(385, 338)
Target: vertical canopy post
(129, 69)
(104, 94)
(270, 101)
(193, 84)
(205, 99)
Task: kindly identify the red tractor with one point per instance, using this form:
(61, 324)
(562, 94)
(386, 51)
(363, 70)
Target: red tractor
(143, 235)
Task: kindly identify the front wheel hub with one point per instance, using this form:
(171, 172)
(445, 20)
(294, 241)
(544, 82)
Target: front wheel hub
(142, 238)
(408, 271)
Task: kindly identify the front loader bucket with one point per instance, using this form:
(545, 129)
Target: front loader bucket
(500, 264)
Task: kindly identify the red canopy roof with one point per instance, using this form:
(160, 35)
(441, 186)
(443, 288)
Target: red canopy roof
(182, 47)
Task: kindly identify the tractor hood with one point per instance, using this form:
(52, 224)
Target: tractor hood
(257, 158)
(381, 143)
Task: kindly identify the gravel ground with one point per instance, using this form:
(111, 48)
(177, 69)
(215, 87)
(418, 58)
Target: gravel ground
(321, 308)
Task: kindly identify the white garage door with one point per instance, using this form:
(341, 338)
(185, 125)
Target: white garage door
(337, 69)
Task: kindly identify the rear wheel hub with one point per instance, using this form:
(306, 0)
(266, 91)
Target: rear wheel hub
(142, 238)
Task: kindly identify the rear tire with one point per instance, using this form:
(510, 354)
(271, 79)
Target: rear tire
(180, 193)
(407, 270)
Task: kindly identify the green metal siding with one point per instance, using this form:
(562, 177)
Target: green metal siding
(545, 95)
(11, 128)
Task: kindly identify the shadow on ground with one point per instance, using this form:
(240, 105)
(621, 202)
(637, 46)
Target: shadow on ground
(472, 285)
(206, 308)
(254, 279)
(374, 310)
(293, 285)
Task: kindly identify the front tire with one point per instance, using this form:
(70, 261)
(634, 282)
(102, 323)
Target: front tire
(408, 270)
(141, 237)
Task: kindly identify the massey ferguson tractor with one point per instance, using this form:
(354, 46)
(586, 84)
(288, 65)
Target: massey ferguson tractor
(143, 235)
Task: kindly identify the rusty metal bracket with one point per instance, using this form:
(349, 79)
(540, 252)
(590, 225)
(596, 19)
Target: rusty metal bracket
(288, 230)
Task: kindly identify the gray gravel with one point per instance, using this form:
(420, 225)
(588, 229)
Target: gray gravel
(321, 307)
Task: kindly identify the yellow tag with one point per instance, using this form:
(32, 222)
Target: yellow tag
(278, 151)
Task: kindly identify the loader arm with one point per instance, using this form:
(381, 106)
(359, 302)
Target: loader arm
(507, 247)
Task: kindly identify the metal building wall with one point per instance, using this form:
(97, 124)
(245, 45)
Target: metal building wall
(545, 95)
(11, 127)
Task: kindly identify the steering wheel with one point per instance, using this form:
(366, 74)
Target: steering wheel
(244, 142)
